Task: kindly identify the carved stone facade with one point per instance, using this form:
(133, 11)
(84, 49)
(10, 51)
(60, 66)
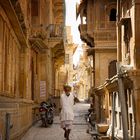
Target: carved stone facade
(118, 96)
(99, 32)
(31, 44)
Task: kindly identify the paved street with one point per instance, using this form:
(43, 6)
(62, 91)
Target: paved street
(56, 133)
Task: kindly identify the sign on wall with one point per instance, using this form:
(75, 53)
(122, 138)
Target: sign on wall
(42, 88)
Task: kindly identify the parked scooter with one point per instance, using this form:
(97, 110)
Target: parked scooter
(90, 118)
(46, 113)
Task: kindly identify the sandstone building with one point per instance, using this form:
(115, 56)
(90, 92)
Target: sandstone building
(118, 96)
(99, 32)
(31, 51)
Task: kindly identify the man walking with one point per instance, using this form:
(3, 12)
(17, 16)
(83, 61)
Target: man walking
(67, 114)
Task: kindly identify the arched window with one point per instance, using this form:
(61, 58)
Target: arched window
(113, 14)
(112, 69)
(34, 7)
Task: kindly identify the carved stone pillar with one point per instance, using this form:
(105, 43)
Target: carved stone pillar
(135, 76)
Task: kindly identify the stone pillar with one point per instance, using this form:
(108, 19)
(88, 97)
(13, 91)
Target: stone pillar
(1, 51)
(25, 74)
(135, 76)
(49, 71)
(136, 25)
(118, 32)
(53, 76)
(42, 75)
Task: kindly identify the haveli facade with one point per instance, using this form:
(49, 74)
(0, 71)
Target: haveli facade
(31, 51)
(99, 32)
(117, 93)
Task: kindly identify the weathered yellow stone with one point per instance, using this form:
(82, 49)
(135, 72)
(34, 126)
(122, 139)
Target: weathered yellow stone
(28, 34)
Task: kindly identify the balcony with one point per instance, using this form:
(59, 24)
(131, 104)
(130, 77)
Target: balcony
(102, 31)
(84, 35)
(37, 38)
(105, 25)
(99, 31)
(38, 32)
(105, 36)
(47, 32)
(55, 31)
(52, 32)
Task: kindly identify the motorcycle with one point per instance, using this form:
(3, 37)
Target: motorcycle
(90, 118)
(46, 113)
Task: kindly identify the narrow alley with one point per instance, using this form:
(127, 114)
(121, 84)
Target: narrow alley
(58, 52)
(55, 132)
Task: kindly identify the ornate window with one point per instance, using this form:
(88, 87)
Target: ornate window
(112, 69)
(127, 30)
(112, 16)
(111, 11)
(34, 7)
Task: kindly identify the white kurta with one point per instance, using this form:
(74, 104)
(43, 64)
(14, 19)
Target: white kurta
(67, 103)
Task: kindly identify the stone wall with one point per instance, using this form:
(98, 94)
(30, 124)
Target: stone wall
(101, 65)
(26, 61)
(20, 118)
(14, 80)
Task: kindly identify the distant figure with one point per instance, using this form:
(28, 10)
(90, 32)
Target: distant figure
(67, 101)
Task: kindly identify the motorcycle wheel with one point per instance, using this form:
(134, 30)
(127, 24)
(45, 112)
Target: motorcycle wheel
(50, 117)
(46, 125)
(50, 121)
(44, 122)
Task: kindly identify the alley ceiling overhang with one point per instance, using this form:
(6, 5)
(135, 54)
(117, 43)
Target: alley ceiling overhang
(10, 12)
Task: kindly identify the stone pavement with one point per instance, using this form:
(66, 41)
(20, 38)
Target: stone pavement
(54, 132)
